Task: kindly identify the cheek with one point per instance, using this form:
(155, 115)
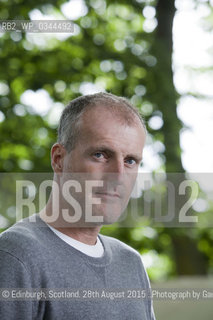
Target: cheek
(78, 165)
(95, 170)
(130, 182)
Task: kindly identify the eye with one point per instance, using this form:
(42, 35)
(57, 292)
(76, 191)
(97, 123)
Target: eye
(130, 161)
(98, 155)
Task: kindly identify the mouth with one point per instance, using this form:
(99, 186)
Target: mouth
(108, 194)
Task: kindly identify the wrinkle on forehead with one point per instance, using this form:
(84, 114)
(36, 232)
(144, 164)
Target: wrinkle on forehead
(106, 129)
(98, 124)
(123, 115)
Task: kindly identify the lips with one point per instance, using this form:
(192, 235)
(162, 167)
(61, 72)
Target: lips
(108, 194)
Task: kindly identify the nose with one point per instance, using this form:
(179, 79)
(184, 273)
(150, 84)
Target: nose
(116, 166)
(115, 170)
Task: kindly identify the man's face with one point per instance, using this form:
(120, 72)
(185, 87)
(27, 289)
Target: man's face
(110, 151)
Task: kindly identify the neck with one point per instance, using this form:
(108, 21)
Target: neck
(84, 234)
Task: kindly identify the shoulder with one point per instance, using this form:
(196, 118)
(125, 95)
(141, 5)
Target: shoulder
(21, 239)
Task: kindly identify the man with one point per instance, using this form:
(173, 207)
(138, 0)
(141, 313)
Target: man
(95, 163)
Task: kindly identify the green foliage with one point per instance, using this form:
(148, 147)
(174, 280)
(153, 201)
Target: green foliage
(112, 49)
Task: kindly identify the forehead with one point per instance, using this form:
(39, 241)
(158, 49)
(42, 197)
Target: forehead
(99, 114)
(102, 124)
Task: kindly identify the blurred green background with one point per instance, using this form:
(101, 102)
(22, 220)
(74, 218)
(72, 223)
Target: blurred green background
(123, 47)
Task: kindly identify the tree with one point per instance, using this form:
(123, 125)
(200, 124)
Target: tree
(113, 47)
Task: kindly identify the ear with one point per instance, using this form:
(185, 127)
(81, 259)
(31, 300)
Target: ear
(58, 153)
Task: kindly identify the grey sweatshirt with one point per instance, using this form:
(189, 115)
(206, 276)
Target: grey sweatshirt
(32, 257)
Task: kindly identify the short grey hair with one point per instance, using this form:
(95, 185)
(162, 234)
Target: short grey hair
(69, 130)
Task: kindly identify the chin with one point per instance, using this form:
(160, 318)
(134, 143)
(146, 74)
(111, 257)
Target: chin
(110, 213)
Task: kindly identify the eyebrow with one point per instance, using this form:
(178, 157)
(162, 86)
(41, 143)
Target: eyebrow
(107, 149)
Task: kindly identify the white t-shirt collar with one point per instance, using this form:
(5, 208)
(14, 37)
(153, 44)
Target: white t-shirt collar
(95, 251)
